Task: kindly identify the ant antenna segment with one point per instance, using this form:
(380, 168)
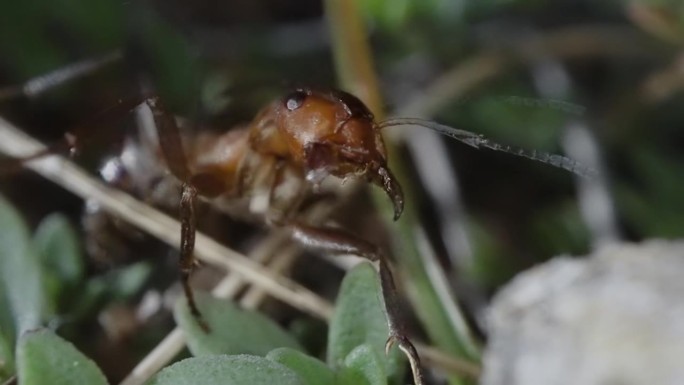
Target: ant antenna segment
(479, 141)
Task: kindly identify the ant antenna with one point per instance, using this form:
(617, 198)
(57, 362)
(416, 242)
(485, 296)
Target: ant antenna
(479, 141)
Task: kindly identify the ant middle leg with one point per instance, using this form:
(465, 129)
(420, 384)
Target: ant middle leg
(337, 241)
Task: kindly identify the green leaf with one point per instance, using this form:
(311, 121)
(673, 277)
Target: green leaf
(368, 363)
(20, 273)
(129, 281)
(350, 376)
(59, 253)
(233, 330)
(59, 248)
(226, 370)
(6, 359)
(359, 318)
(6, 319)
(311, 370)
(45, 358)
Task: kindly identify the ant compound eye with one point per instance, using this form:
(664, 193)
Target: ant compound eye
(295, 100)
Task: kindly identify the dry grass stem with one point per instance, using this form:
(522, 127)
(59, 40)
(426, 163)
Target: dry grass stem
(440, 282)
(16, 143)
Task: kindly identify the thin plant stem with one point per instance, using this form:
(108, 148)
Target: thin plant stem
(352, 53)
(16, 143)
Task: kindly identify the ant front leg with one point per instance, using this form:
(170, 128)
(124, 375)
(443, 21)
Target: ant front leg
(188, 262)
(340, 242)
(172, 150)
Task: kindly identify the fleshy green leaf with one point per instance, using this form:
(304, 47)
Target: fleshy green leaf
(127, 282)
(359, 318)
(227, 370)
(233, 330)
(59, 249)
(45, 358)
(6, 319)
(59, 253)
(311, 370)
(350, 376)
(20, 273)
(368, 363)
(6, 359)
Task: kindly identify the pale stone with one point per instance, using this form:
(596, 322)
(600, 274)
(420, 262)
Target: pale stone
(614, 318)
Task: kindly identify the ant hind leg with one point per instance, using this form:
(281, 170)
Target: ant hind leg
(340, 242)
(172, 150)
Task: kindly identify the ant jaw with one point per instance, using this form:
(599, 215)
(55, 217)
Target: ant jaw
(383, 177)
(380, 176)
(321, 160)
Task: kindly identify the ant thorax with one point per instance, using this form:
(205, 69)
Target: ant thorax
(248, 171)
(255, 182)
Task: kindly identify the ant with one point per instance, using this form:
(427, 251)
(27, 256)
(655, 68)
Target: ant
(290, 147)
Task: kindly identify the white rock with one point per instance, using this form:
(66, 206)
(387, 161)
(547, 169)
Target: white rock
(615, 318)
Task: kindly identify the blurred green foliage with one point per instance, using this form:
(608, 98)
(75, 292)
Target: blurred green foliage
(43, 283)
(222, 62)
(36, 36)
(45, 358)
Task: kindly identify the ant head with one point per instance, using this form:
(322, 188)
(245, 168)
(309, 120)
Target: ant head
(334, 133)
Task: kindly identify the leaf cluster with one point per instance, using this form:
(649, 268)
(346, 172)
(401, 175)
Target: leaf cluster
(243, 347)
